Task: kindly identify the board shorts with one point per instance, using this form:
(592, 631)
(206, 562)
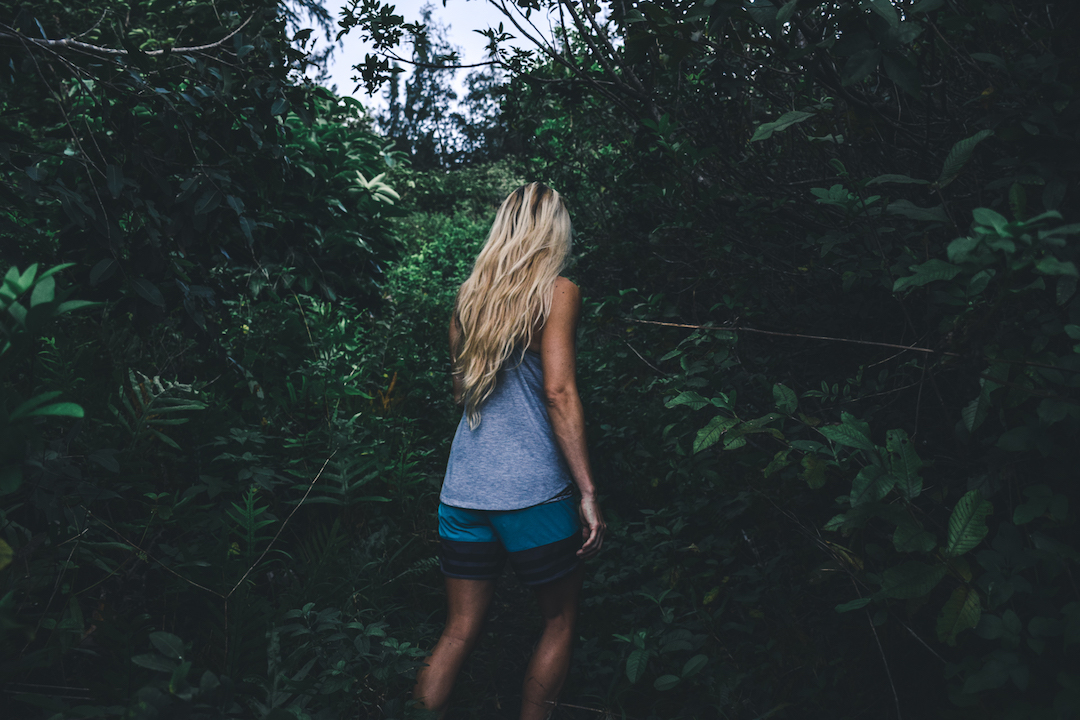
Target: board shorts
(541, 541)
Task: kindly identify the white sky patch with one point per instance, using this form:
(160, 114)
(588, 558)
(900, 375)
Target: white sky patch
(459, 17)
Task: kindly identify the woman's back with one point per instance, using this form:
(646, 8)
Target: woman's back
(511, 459)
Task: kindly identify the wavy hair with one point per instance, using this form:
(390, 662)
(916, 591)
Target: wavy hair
(508, 294)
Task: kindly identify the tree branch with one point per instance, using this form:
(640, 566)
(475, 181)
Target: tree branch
(72, 43)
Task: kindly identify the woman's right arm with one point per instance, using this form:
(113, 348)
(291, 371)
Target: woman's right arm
(559, 360)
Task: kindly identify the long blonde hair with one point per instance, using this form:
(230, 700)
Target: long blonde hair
(508, 294)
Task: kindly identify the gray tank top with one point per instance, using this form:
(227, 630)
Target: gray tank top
(511, 460)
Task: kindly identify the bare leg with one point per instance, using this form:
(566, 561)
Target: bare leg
(467, 603)
(551, 659)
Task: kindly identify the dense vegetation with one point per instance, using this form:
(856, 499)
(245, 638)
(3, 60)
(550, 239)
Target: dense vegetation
(830, 357)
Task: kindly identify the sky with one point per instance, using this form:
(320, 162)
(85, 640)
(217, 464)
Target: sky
(460, 17)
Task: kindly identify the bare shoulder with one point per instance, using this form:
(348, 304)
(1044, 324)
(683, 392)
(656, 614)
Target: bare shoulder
(565, 292)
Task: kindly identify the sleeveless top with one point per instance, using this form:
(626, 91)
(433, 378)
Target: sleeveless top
(511, 460)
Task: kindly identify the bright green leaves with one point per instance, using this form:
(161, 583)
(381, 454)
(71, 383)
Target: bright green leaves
(967, 524)
(36, 407)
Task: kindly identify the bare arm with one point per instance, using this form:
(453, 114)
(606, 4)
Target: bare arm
(559, 360)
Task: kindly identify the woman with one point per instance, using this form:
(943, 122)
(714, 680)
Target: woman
(519, 448)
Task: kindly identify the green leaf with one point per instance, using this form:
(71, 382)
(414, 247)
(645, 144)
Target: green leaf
(855, 604)
(280, 106)
(148, 291)
(786, 12)
(1019, 439)
(967, 524)
(912, 537)
(44, 292)
(904, 73)
(711, 433)
(1050, 265)
(102, 271)
(64, 409)
(154, 662)
(168, 645)
(10, 479)
(911, 580)
(779, 462)
(904, 463)
(114, 178)
(991, 218)
(899, 179)
(961, 612)
(850, 432)
(7, 555)
(71, 305)
(766, 130)
(910, 210)
(27, 405)
(689, 398)
(694, 665)
(636, 664)
(958, 157)
(666, 682)
(860, 65)
(871, 484)
(815, 470)
(885, 9)
(994, 60)
(926, 273)
(785, 398)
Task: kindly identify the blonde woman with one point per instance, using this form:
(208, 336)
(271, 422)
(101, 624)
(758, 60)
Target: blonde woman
(518, 451)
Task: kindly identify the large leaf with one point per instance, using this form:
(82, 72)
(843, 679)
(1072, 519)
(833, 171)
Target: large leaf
(904, 463)
(689, 398)
(711, 433)
(168, 645)
(908, 209)
(958, 157)
(961, 612)
(154, 662)
(911, 580)
(967, 524)
(149, 291)
(925, 273)
(766, 130)
(851, 432)
(785, 398)
(871, 484)
(904, 73)
(910, 536)
(860, 65)
(6, 554)
(815, 470)
(636, 664)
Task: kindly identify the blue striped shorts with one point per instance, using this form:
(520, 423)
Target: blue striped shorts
(541, 541)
